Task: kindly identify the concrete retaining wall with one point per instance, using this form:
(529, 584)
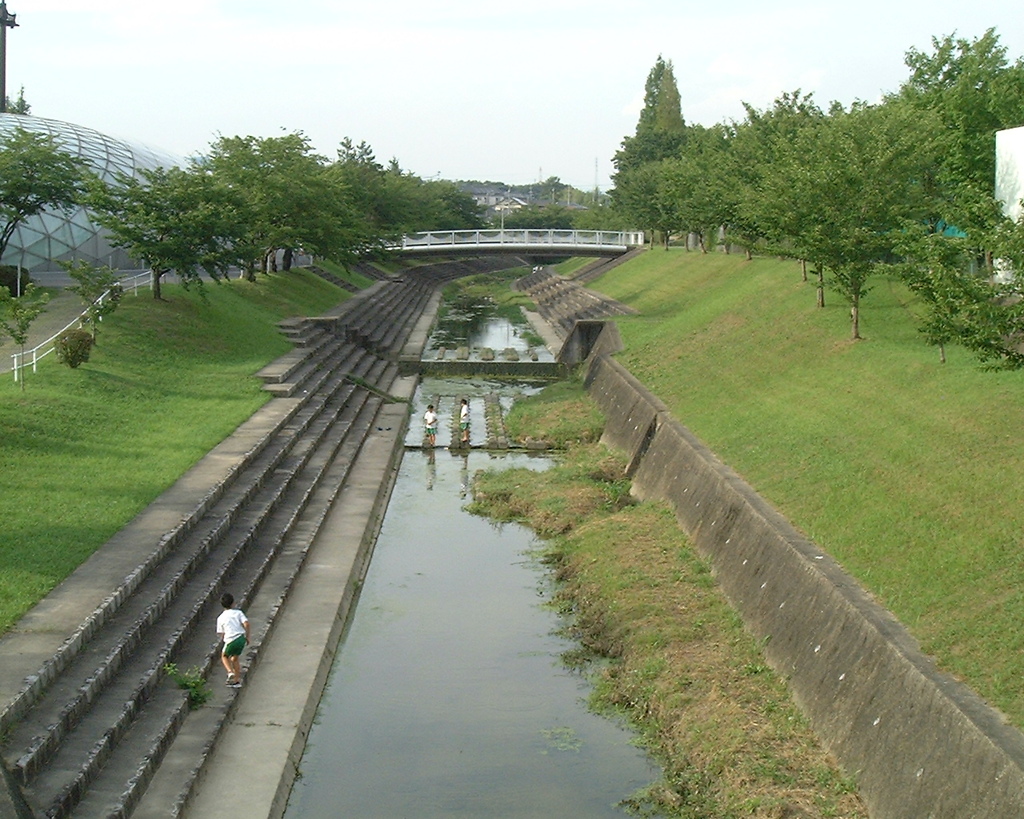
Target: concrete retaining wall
(919, 743)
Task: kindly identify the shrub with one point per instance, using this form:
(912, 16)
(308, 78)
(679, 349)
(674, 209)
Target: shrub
(73, 346)
(9, 278)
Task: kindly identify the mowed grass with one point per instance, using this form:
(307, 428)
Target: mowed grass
(83, 451)
(905, 469)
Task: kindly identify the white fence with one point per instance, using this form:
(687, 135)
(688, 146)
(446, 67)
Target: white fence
(22, 360)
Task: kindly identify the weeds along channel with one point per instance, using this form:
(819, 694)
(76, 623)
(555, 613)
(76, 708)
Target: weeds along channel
(657, 637)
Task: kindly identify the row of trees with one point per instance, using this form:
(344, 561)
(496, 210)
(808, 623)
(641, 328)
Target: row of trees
(905, 185)
(240, 206)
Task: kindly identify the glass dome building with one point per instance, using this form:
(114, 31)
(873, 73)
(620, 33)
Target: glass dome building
(40, 241)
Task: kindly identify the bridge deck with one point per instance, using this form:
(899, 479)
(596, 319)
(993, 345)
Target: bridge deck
(528, 241)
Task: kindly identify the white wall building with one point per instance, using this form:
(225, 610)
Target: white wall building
(1010, 171)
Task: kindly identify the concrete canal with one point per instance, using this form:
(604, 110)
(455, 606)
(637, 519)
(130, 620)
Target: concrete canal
(448, 696)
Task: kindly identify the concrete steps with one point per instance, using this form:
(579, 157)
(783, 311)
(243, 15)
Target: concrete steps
(87, 732)
(89, 717)
(562, 302)
(91, 725)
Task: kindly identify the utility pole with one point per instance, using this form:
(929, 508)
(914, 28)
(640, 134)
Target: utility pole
(6, 21)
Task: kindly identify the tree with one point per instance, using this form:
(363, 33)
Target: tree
(17, 315)
(753, 147)
(457, 209)
(19, 106)
(938, 269)
(35, 175)
(543, 217)
(696, 188)
(379, 209)
(660, 134)
(662, 103)
(975, 92)
(639, 195)
(99, 288)
(970, 91)
(843, 190)
(175, 219)
(291, 199)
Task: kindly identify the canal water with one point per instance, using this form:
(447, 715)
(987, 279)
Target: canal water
(448, 697)
(475, 326)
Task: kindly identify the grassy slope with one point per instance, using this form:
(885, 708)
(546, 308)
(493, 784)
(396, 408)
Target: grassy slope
(901, 467)
(83, 451)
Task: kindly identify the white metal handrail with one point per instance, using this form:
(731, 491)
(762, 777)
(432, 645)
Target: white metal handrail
(591, 239)
(40, 351)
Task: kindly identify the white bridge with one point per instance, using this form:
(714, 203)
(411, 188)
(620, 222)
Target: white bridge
(531, 242)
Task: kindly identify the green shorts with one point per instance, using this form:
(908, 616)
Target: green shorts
(234, 648)
(464, 425)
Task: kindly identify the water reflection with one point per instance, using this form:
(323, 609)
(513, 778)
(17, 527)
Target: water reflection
(475, 325)
(461, 320)
(448, 697)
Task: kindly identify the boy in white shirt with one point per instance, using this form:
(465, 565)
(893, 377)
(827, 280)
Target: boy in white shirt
(430, 422)
(464, 421)
(233, 629)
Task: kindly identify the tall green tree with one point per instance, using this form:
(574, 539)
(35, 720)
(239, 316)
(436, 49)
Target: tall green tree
(696, 187)
(292, 199)
(662, 109)
(379, 210)
(660, 134)
(971, 90)
(35, 175)
(843, 190)
(183, 220)
(754, 146)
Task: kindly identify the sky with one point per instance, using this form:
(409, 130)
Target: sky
(459, 89)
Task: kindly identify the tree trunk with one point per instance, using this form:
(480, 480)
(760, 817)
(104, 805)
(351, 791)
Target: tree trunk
(750, 255)
(286, 261)
(821, 285)
(155, 276)
(942, 353)
(803, 269)
(855, 319)
(250, 270)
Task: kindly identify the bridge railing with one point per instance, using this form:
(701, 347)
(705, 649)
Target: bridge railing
(610, 239)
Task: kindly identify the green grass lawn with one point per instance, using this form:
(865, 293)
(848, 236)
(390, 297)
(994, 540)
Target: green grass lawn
(904, 468)
(83, 451)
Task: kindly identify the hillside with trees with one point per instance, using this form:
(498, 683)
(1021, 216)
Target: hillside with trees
(902, 186)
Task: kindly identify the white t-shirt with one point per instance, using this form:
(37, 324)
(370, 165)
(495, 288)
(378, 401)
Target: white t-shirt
(464, 414)
(231, 623)
(430, 419)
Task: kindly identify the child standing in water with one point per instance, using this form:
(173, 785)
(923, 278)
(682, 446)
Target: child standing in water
(430, 422)
(464, 421)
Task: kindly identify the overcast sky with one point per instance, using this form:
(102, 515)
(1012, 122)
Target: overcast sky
(463, 89)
